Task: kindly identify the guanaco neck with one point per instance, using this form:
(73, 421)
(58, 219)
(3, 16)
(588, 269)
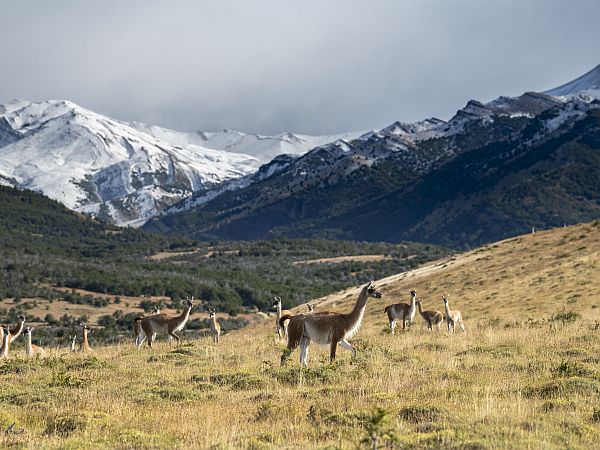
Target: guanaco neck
(413, 302)
(15, 332)
(278, 309)
(214, 321)
(72, 345)
(420, 309)
(183, 317)
(447, 309)
(29, 344)
(357, 312)
(84, 342)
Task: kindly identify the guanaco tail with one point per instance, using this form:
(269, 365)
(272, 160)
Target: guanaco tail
(163, 323)
(326, 327)
(402, 311)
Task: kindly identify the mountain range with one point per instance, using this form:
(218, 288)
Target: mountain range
(125, 173)
(493, 170)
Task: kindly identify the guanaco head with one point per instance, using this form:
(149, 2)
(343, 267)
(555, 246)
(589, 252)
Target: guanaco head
(137, 319)
(190, 302)
(372, 291)
(28, 330)
(6, 330)
(310, 307)
(72, 338)
(22, 318)
(212, 313)
(413, 293)
(445, 299)
(86, 328)
(156, 310)
(277, 303)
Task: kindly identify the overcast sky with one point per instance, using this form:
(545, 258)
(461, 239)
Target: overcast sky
(317, 67)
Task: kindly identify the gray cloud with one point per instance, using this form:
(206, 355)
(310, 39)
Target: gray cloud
(271, 66)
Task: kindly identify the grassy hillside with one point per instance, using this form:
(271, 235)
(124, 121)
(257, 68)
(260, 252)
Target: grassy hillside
(525, 375)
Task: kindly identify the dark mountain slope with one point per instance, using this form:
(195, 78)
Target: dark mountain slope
(490, 193)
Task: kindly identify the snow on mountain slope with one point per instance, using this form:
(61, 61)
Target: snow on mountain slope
(104, 167)
(587, 85)
(264, 148)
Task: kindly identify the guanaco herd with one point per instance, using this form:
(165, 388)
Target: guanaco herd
(325, 328)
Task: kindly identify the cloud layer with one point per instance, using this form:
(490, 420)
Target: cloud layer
(272, 66)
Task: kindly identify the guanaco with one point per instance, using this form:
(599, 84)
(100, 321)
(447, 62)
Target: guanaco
(452, 317)
(5, 342)
(281, 326)
(85, 345)
(72, 339)
(162, 323)
(431, 317)
(326, 327)
(32, 349)
(215, 327)
(403, 311)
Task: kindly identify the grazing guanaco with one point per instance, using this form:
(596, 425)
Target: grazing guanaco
(431, 317)
(5, 342)
(215, 327)
(73, 339)
(404, 311)
(280, 325)
(85, 345)
(311, 307)
(140, 336)
(326, 327)
(452, 317)
(163, 323)
(32, 349)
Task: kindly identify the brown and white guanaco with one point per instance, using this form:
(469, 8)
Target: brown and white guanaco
(163, 323)
(402, 311)
(324, 328)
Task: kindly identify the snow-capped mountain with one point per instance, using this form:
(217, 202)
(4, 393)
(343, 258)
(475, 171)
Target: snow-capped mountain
(264, 148)
(104, 167)
(124, 172)
(587, 85)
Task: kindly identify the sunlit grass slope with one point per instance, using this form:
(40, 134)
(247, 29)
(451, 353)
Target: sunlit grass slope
(525, 375)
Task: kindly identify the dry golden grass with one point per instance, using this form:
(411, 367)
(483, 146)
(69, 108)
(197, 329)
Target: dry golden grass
(508, 382)
(341, 259)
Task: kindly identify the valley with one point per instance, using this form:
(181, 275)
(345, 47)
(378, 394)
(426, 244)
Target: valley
(525, 373)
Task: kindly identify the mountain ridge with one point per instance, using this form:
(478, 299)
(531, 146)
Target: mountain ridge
(108, 168)
(333, 191)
